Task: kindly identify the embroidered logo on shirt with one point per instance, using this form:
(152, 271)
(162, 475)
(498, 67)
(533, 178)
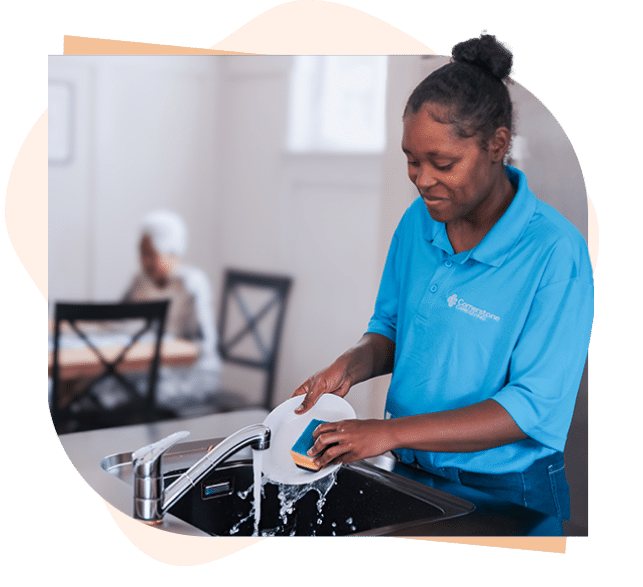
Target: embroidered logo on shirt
(461, 305)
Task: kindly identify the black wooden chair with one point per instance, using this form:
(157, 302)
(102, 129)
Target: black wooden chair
(86, 410)
(251, 318)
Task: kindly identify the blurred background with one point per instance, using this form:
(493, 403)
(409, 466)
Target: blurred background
(281, 164)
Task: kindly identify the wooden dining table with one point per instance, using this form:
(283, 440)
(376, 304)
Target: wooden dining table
(78, 363)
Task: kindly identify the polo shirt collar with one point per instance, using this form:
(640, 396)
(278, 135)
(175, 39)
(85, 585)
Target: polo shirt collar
(500, 240)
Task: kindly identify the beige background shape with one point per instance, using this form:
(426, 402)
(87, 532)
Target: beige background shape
(26, 191)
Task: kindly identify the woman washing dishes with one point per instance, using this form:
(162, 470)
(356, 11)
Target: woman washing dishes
(484, 310)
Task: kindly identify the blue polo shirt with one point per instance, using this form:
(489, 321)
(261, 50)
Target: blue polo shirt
(508, 320)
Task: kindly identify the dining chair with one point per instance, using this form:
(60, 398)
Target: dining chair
(80, 404)
(250, 328)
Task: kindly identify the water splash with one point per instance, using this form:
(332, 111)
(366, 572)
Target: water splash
(288, 496)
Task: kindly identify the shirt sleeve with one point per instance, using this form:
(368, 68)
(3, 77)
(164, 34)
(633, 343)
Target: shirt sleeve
(549, 357)
(384, 319)
(196, 282)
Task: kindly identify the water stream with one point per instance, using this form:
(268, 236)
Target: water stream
(257, 460)
(288, 496)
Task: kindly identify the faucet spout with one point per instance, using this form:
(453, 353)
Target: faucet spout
(151, 501)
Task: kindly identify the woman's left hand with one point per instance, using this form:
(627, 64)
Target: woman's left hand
(350, 440)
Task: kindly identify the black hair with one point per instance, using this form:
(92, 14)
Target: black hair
(471, 89)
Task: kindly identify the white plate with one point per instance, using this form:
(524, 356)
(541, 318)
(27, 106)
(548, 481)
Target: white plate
(286, 427)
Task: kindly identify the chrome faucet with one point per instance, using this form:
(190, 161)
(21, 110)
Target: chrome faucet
(151, 501)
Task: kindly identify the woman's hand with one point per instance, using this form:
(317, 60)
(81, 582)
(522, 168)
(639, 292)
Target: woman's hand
(350, 440)
(333, 379)
(371, 356)
(471, 428)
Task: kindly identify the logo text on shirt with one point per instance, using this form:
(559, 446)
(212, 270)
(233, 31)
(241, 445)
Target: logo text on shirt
(461, 305)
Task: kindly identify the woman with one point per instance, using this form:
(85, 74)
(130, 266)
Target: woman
(163, 276)
(484, 310)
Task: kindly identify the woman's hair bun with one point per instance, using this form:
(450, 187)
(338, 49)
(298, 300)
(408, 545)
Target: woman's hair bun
(485, 53)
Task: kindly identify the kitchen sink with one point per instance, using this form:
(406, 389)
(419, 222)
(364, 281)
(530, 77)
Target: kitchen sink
(359, 499)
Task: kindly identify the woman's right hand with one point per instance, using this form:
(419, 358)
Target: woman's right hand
(333, 379)
(371, 356)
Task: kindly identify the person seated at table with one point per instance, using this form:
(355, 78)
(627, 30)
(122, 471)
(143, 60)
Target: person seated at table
(163, 276)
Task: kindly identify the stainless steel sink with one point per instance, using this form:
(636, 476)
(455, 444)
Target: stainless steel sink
(364, 500)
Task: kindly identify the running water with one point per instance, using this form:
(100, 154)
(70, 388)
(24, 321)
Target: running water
(255, 488)
(256, 469)
(288, 496)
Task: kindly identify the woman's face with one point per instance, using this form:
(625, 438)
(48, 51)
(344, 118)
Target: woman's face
(456, 177)
(157, 266)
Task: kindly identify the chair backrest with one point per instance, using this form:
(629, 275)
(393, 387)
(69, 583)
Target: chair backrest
(104, 355)
(250, 325)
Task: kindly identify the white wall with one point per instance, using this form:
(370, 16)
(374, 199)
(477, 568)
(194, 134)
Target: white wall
(313, 216)
(144, 136)
(205, 136)
(72, 185)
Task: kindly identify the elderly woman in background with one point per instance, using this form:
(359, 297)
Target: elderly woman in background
(162, 245)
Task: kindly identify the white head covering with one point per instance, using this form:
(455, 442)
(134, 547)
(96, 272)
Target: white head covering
(167, 231)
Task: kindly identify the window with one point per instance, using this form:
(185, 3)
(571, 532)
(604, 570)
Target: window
(337, 104)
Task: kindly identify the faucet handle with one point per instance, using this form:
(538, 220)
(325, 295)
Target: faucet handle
(148, 480)
(146, 457)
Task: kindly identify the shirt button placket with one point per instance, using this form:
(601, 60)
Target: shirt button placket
(434, 288)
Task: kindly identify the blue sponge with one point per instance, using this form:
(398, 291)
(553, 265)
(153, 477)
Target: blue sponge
(303, 445)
